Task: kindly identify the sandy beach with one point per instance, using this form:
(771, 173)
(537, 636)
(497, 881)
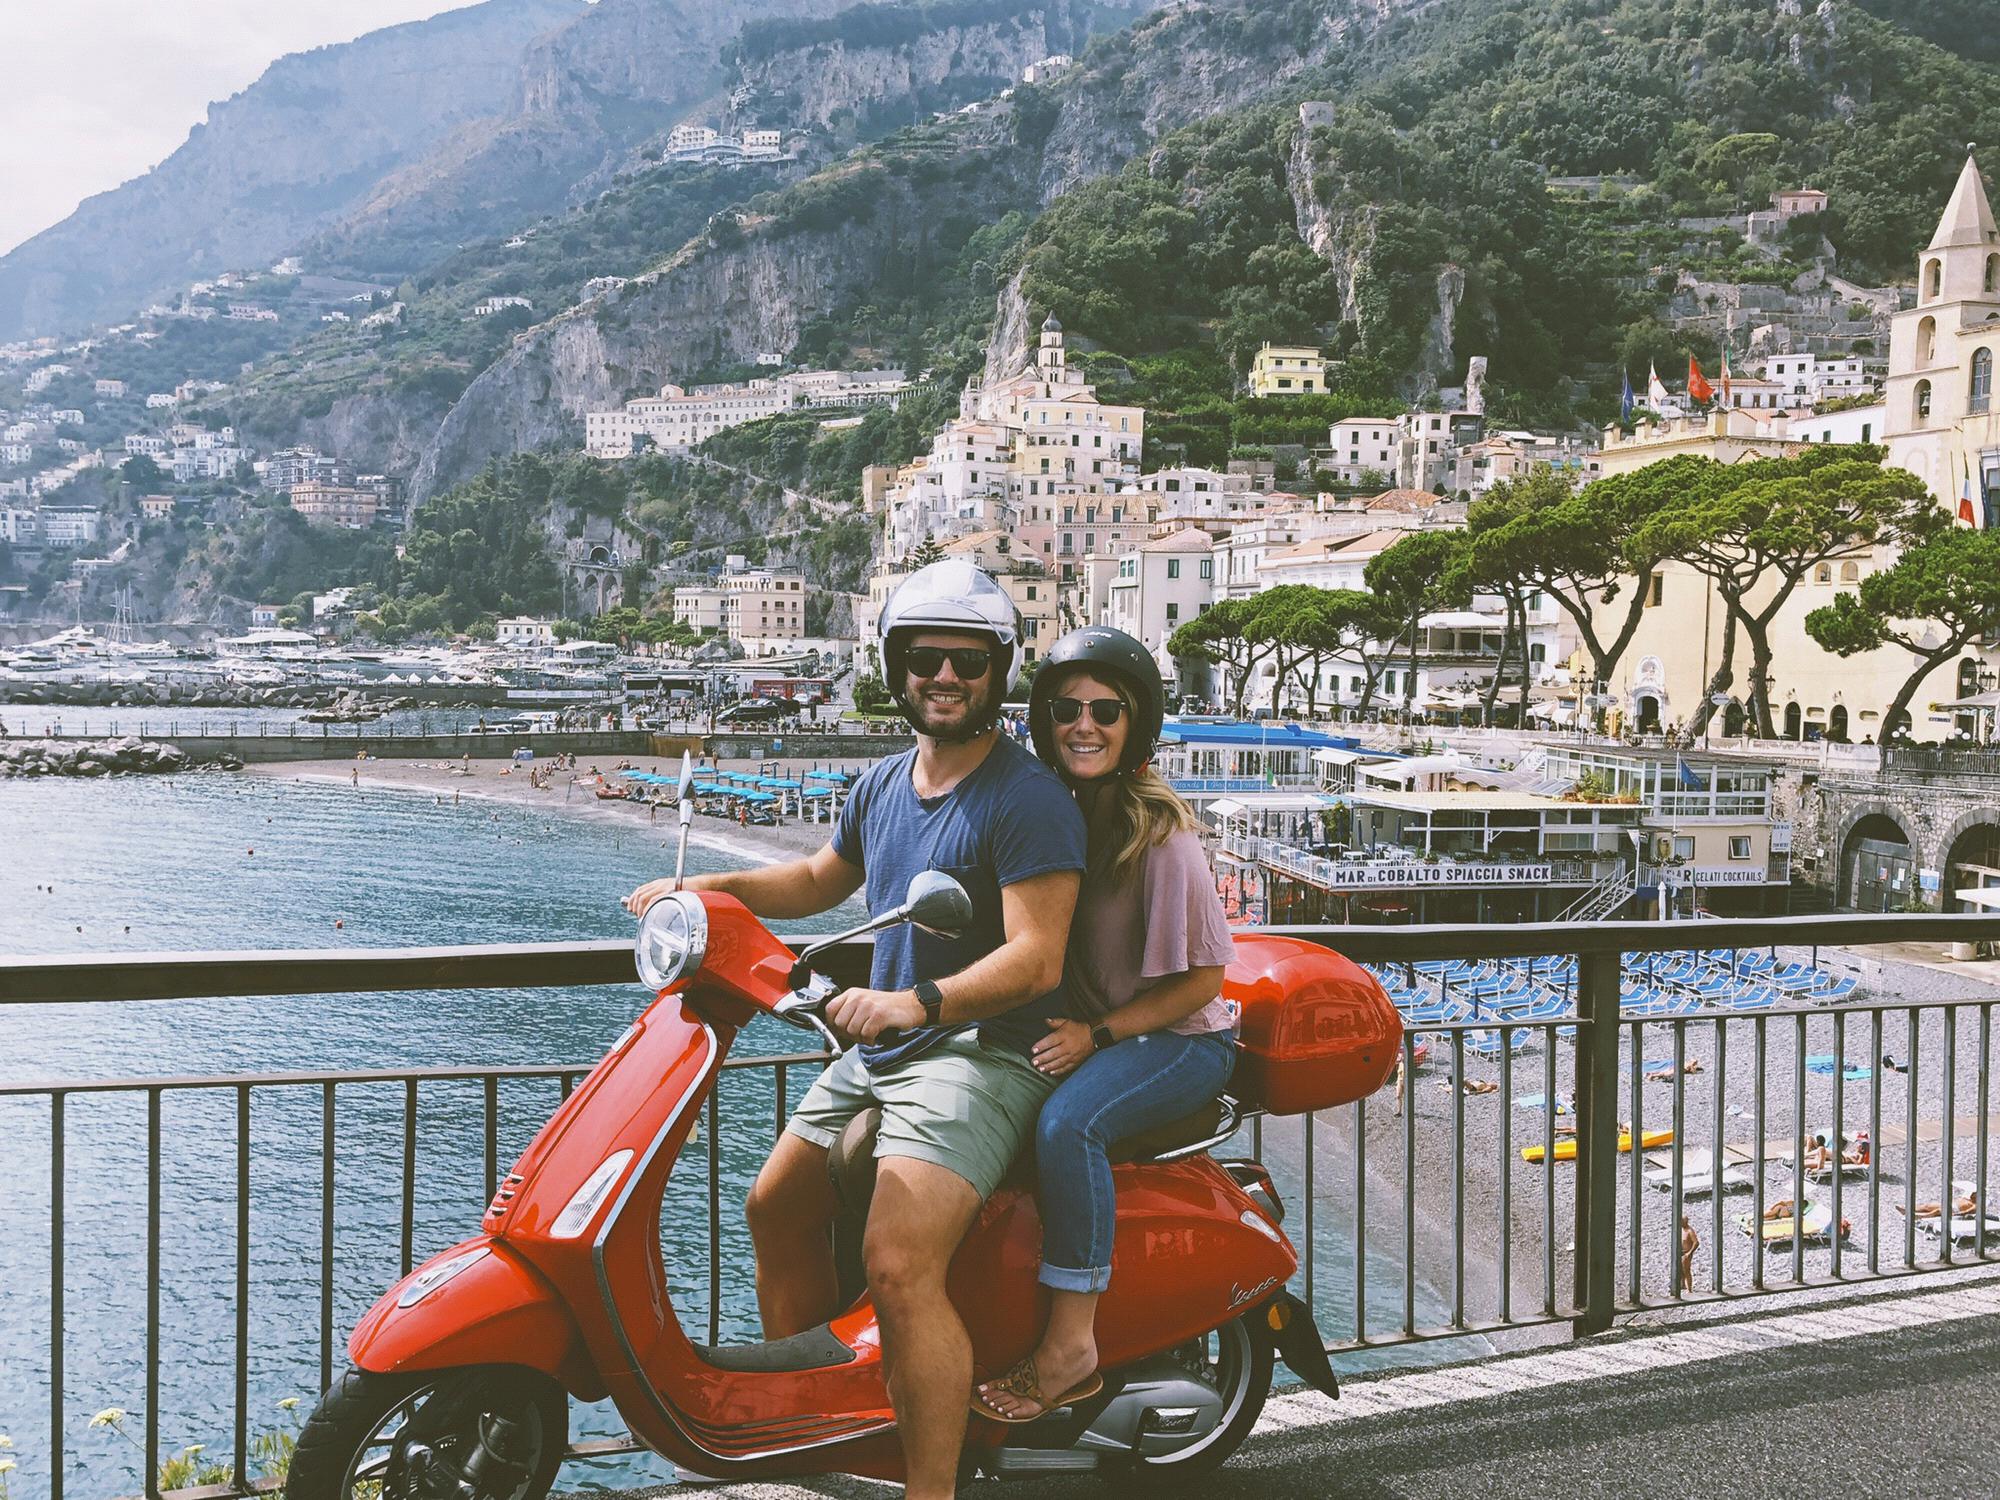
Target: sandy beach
(501, 781)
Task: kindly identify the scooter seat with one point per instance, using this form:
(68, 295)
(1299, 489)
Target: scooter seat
(850, 1162)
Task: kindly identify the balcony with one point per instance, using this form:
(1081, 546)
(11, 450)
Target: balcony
(1470, 1217)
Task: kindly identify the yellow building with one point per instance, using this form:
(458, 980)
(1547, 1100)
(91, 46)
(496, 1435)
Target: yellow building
(1725, 434)
(1287, 370)
(1938, 423)
(1941, 422)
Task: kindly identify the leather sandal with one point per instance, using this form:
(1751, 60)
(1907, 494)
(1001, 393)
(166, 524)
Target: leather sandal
(1023, 1381)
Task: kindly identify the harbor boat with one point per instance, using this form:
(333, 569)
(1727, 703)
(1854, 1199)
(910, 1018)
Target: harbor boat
(1566, 1150)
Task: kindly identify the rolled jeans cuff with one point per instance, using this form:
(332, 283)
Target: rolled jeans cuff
(1063, 1279)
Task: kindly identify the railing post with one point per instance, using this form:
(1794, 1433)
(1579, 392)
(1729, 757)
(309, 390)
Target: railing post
(1597, 1140)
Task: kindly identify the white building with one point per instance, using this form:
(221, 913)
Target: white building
(1159, 585)
(145, 443)
(1047, 68)
(1941, 414)
(113, 388)
(491, 305)
(1365, 445)
(16, 453)
(521, 631)
(1857, 424)
(677, 419)
(763, 142)
(158, 399)
(1810, 379)
(65, 526)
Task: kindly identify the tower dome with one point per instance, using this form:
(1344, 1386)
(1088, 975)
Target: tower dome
(1050, 325)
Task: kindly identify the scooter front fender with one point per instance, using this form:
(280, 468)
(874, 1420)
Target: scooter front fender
(478, 1303)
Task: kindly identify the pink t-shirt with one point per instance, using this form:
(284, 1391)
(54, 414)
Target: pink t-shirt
(1128, 935)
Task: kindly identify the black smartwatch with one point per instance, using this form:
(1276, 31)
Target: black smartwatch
(930, 997)
(1101, 1037)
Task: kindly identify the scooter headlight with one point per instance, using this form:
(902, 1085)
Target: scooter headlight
(673, 937)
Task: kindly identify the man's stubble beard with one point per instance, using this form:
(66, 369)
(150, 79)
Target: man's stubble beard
(978, 710)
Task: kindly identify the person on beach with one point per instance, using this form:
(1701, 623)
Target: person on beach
(958, 1095)
(1143, 1036)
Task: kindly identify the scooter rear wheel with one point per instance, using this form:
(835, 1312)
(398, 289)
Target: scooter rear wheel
(1238, 1361)
(354, 1445)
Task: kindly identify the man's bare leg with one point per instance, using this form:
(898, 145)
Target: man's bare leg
(920, 1213)
(790, 1208)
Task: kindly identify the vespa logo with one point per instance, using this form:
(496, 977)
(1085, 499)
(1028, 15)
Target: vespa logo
(1238, 1297)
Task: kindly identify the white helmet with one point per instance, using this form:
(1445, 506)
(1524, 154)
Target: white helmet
(951, 595)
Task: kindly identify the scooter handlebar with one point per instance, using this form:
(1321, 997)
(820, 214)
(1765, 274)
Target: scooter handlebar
(805, 1008)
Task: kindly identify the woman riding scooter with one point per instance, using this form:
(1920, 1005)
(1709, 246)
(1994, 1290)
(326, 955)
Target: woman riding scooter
(1143, 1037)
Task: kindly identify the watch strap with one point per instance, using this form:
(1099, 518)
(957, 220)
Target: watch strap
(1101, 1037)
(931, 998)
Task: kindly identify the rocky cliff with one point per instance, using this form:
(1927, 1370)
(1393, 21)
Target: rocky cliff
(709, 304)
(584, 95)
(940, 68)
(294, 150)
(1190, 62)
(381, 154)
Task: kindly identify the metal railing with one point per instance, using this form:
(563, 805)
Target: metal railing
(1483, 1231)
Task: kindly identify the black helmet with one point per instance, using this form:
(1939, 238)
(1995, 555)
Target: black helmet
(1115, 654)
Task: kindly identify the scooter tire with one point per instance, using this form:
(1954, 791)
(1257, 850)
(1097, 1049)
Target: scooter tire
(1246, 1359)
(361, 1403)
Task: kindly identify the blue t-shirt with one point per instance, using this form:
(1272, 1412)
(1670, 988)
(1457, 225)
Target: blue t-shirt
(1011, 819)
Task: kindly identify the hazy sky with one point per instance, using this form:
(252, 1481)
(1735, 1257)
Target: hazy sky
(98, 91)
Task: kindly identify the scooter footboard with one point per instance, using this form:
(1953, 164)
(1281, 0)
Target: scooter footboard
(474, 1304)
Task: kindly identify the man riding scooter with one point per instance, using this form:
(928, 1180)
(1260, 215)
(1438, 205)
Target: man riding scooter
(968, 802)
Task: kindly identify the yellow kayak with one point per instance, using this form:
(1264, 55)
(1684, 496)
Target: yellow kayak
(1566, 1149)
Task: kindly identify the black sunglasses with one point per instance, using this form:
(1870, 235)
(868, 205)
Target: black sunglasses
(1105, 711)
(969, 662)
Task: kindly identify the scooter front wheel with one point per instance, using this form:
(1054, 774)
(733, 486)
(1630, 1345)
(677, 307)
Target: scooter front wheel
(499, 1429)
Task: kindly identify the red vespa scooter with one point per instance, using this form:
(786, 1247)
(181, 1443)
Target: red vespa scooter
(462, 1371)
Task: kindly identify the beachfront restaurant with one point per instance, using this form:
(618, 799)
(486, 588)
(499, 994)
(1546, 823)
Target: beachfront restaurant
(1712, 842)
(1396, 856)
(1202, 759)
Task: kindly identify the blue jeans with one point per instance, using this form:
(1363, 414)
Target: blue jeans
(1134, 1085)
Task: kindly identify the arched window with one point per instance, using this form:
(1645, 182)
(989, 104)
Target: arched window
(1981, 394)
(1923, 402)
(1850, 572)
(1926, 340)
(1823, 573)
(1993, 273)
(1933, 279)
(1794, 722)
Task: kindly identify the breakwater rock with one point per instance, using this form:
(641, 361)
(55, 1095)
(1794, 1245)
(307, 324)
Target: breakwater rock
(127, 756)
(169, 693)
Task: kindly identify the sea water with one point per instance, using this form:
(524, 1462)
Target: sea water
(215, 861)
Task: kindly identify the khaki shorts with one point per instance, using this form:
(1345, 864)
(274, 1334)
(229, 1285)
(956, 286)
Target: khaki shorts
(967, 1106)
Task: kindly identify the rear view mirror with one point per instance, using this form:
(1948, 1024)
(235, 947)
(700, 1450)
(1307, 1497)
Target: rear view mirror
(938, 904)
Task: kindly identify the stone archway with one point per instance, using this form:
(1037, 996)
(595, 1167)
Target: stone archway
(1878, 860)
(1968, 854)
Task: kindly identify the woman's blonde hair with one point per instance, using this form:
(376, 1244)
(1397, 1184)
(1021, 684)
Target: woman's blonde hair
(1143, 811)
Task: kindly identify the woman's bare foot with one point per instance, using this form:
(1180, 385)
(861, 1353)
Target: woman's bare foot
(1057, 1371)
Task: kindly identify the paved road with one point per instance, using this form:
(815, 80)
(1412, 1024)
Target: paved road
(1877, 1397)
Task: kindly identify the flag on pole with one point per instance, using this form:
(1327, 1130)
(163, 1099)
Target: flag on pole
(1625, 402)
(1690, 782)
(1698, 387)
(1656, 390)
(1966, 515)
(1725, 375)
